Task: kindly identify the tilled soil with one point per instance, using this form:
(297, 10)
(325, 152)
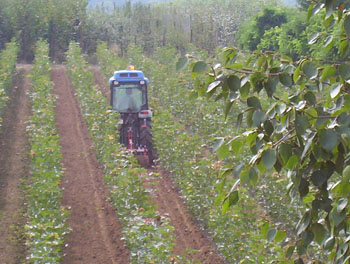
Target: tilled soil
(13, 170)
(189, 235)
(96, 235)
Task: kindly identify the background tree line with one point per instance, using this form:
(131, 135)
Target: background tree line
(205, 24)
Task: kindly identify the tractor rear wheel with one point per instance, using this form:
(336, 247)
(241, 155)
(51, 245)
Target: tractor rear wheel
(146, 139)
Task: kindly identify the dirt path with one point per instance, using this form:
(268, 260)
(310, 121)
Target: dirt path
(188, 234)
(96, 231)
(13, 169)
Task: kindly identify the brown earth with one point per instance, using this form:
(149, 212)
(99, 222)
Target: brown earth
(14, 170)
(189, 235)
(96, 235)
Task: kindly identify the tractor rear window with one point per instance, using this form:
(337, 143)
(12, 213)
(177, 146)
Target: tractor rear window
(124, 75)
(128, 97)
(133, 74)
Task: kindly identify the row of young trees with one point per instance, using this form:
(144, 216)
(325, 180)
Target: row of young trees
(205, 24)
(180, 24)
(28, 20)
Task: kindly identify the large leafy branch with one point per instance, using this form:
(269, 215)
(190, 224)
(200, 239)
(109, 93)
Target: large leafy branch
(297, 124)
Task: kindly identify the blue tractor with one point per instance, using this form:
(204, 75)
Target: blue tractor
(129, 97)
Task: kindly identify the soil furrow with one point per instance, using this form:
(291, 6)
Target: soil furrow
(14, 169)
(188, 234)
(186, 227)
(96, 235)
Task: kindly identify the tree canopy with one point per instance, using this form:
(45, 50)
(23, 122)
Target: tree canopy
(297, 124)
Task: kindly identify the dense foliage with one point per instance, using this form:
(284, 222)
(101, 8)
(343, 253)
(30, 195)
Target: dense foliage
(252, 33)
(8, 59)
(302, 129)
(46, 219)
(288, 32)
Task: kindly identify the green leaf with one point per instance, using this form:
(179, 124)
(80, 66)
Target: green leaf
(328, 72)
(225, 206)
(301, 124)
(347, 25)
(200, 67)
(319, 233)
(280, 236)
(337, 217)
(344, 48)
(228, 109)
(222, 152)
(285, 151)
(314, 38)
(307, 237)
(310, 98)
(296, 74)
(290, 251)
(317, 8)
(304, 223)
(329, 243)
(329, 8)
(269, 158)
(285, 79)
(310, 70)
(213, 86)
(268, 126)
(341, 204)
(292, 162)
(244, 90)
(328, 139)
(271, 234)
(235, 66)
(233, 198)
(237, 145)
(234, 95)
(281, 108)
(328, 41)
(181, 63)
(234, 83)
(270, 86)
(244, 176)
(258, 117)
(239, 121)
(303, 187)
(254, 102)
(319, 177)
(253, 176)
(344, 71)
(219, 142)
(264, 229)
(335, 90)
(256, 80)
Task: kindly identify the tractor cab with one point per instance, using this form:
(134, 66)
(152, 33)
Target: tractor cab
(129, 91)
(129, 98)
